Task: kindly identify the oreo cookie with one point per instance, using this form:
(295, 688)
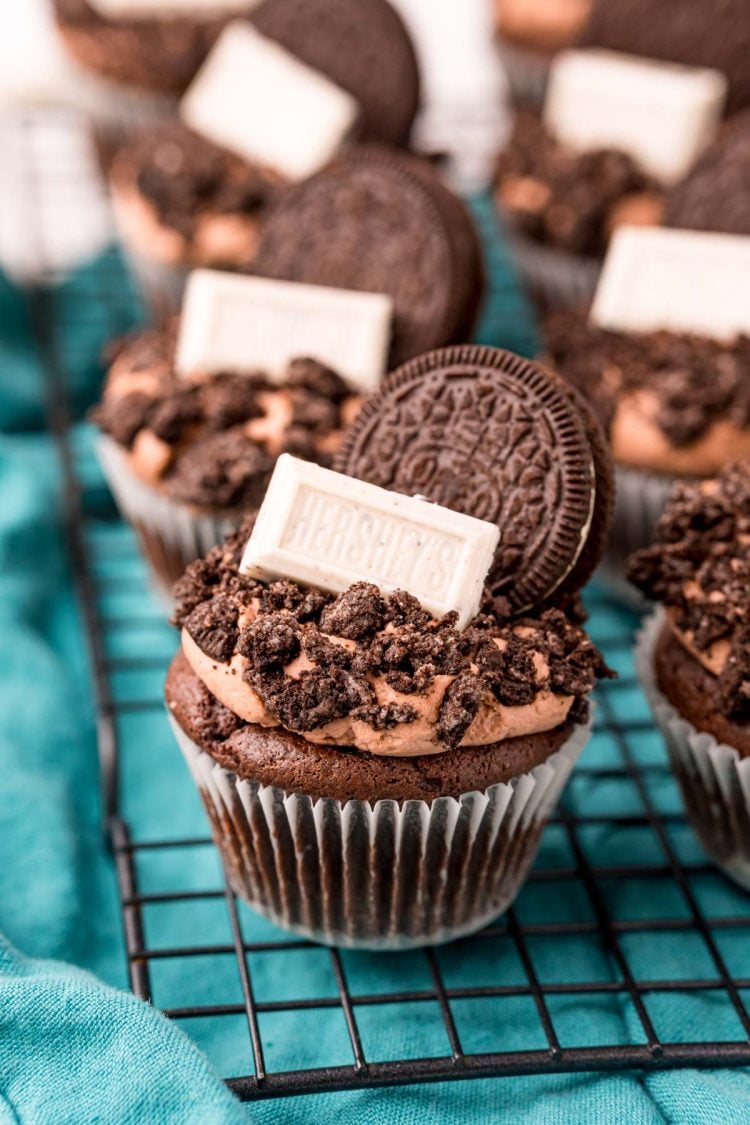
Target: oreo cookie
(382, 222)
(362, 46)
(492, 435)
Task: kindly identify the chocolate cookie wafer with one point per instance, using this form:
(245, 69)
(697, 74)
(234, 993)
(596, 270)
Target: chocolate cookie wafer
(382, 222)
(492, 435)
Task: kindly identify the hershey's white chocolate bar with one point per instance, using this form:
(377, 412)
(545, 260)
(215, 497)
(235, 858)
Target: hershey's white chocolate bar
(240, 324)
(153, 9)
(262, 103)
(329, 531)
(663, 115)
(686, 281)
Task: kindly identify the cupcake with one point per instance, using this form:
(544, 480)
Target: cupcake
(561, 207)
(186, 459)
(674, 404)
(193, 191)
(530, 33)
(694, 655)
(378, 767)
(149, 59)
(690, 32)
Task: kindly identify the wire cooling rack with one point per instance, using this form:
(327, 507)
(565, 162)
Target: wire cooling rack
(625, 949)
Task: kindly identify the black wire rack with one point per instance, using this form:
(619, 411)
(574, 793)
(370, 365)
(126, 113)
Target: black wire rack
(618, 866)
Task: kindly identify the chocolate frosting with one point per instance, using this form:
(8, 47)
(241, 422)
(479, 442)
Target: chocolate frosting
(559, 197)
(695, 380)
(211, 461)
(700, 568)
(715, 196)
(392, 637)
(184, 177)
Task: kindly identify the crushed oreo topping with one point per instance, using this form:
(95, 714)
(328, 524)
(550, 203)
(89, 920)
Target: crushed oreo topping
(699, 567)
(696, 381)
(560, 197)
(185, 176)
(209, 457)
(338, 645)
(714, 196)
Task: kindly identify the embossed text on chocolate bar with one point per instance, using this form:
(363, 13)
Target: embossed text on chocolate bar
(240, 324)
(328, 530)
(680, 280)
(661, 114)
(259, 101)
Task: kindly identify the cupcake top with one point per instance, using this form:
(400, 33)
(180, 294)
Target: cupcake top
(714, 196)
(211, 442)
(672, 402)
(374, 672)
(188, 200)
(699, 569)
(568, 199)
(364, 666)
(691, 32)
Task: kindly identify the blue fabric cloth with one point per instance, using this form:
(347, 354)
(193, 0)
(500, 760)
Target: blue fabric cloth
(74, 1047)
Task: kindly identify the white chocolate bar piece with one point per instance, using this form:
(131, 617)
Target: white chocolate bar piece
(154, 9)
(687, 281)
(327, 530)
(239, 324)
(661, 114)
(256, 99)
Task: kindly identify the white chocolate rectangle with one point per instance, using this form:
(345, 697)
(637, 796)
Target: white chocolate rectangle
(663, 115)
(155, 9)
(240, 324)
(687, 281)
(329, 531)
(256, 99)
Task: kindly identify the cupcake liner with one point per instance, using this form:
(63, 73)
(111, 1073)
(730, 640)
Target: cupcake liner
(714, 779)
(387, 875)
(554, 278)
(172, 535)
(640, 500)
(527, 72)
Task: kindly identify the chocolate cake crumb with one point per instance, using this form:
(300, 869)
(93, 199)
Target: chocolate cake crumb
(696, 381)
(459, 709)
(213, 627)
(700, 569)
(355, 614)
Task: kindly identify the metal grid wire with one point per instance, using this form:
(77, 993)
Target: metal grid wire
(621, 896)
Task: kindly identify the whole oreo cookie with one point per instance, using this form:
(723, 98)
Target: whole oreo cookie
(363, 46)
(492, 435)
(384, 223)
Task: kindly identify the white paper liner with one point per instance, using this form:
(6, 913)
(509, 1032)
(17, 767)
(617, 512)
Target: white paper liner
(553, 277)
(172, 535)
(714, 779)
(640, 499)
(386, 876)
(527, 72)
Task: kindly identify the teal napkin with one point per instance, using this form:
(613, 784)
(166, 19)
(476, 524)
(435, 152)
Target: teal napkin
(75, 1047)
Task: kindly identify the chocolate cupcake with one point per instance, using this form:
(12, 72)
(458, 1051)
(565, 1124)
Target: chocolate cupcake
(186, 459)
(690, 32)
(561, 207)
(378, 773)
(694, 656)
(674, 405)
(150, 60)
(530, 33)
